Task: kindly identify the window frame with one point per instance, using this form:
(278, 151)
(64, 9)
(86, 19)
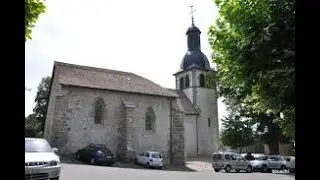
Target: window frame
(187, 79)
(202, 82)
(150, 119)
(99, 109)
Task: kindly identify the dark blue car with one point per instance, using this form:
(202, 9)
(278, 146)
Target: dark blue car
(96, 154)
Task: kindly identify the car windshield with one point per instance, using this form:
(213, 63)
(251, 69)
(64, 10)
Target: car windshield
(37, 145)
(105, 150)
(156, 155)
(262, 158)
(217, 156)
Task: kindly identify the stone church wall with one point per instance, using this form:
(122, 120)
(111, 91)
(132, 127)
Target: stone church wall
(55, 92)
(178, 144)
(208, 136)
(208, 106)
(190, 135)
(74, 127)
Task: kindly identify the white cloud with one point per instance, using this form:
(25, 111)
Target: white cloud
(142, 36)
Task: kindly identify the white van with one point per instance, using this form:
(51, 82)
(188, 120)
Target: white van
(229, 161)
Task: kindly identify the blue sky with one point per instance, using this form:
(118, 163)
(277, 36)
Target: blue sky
(141, 36)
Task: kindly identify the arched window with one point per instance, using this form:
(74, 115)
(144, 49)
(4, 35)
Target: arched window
(187, 81)
(202, 83)
(98, 111)
(181, 83)
(150, 119)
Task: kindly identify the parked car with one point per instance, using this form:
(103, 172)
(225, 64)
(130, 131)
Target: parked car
(229, 161)
(41, 160)
(269, 162)
(149, 159)
(291, 163)
(96, 154)
(257, 155)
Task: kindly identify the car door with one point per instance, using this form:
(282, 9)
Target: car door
(85, 153)
(157, 159)
(146, 157)
(233, 161)
(279, 161)
(272, 163)
(242, 163)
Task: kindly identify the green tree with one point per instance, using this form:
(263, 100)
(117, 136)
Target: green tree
(42, 98)
(254, 46)
(31, 123)
(33, 9)
(236, 132)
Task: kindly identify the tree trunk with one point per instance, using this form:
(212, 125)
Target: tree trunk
(274, 147)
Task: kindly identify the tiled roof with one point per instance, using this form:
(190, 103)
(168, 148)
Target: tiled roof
(187, 106)
(91, 77)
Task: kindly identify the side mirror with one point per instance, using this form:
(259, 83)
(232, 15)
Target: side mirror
(55, 150)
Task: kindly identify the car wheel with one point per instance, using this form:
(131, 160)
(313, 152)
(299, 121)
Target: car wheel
(109, 163)
(264, 169)
(135, 161)
(283, 168)
(216, 169)
(228, 168)
(92, 161)
(249, 169)
(237, 170)
(147, 165)
(56, 178)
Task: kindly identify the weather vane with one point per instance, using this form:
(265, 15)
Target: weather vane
(192, 11)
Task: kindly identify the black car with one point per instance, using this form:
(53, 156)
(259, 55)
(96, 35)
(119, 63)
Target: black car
(96, 154)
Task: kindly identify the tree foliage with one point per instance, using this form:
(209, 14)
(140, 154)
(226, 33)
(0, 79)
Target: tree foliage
(31, 123)
(36, 120)
(245, 129)
(254, 46)
(42, 97)
(236, 133)
(33, 9)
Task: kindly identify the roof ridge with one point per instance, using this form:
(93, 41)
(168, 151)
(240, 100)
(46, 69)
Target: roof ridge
(126, 77)
(184, 94)
(83, 67)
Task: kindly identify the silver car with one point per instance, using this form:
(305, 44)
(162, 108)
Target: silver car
(150, 159)
(291, 163)
(41, 161)
(269, 162)
(229, 161)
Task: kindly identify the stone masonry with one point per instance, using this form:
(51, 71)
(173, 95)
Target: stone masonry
(126, 130)
(178, 150)
(123, 127)
(60, 127)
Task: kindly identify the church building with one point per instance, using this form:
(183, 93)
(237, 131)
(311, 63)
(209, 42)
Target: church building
(131, 114)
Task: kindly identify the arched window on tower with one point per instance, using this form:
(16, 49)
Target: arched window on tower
(99, 107)
(150, 119)
(187, 81)
(181, 83)
(201, 79)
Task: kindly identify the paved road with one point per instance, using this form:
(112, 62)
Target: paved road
(88, 172)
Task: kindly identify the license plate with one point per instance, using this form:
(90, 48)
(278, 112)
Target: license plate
(109, 157)
(31, 171)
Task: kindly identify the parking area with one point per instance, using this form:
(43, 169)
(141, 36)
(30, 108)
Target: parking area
(195, 169)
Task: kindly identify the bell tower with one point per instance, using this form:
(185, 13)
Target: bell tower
(190, 79)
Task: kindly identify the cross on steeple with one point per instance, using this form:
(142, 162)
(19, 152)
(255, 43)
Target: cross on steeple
(191, 12)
